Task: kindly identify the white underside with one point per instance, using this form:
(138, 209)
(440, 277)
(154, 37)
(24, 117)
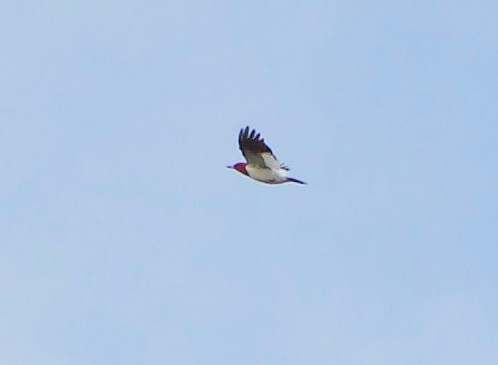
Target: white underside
(267, 175)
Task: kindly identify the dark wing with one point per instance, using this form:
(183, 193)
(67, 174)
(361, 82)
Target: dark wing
(255, 151)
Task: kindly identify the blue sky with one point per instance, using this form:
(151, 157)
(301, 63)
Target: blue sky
(125, 240)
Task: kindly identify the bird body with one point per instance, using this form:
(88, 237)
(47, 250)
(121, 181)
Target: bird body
(266, 175)
(262, 165)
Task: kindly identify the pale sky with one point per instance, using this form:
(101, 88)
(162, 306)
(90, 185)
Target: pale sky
(125, 240)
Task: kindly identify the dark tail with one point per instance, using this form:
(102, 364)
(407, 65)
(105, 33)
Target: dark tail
(291, 179)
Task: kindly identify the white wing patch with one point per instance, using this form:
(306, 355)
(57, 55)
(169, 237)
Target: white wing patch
(270, 161)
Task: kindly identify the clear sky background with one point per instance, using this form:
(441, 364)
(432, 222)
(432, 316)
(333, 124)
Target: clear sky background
(125, 240)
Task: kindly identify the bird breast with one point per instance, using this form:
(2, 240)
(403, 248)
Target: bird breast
(264, 174)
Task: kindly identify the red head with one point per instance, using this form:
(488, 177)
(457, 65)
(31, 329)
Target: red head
(240, 167)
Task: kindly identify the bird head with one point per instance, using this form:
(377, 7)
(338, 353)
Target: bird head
(240, 167)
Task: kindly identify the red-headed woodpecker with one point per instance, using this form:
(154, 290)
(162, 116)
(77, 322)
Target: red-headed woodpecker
(261, 164)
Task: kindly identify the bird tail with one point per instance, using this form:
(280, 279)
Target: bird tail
(291, 179)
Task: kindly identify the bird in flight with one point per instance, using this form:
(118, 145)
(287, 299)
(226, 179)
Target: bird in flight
(262, 165)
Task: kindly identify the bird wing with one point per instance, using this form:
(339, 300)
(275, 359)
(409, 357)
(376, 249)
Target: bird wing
(255, 150)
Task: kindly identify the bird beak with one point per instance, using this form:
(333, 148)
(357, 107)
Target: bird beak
(229, 167)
